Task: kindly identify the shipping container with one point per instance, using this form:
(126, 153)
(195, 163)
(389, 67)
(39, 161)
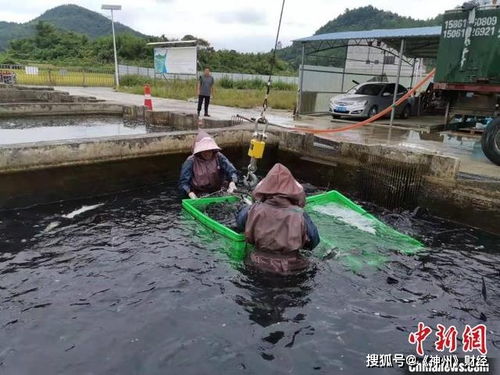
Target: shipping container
(469, 49)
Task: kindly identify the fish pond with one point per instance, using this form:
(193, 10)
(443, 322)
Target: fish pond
(128, 283)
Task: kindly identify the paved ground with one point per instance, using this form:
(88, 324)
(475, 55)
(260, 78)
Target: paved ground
(216, 111)
(414, 133)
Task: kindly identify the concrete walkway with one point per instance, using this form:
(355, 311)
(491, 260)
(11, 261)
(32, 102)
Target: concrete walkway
(162, 104)
(410, 134)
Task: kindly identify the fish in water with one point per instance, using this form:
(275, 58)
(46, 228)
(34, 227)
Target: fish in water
(225, 212)
(52, 225)
(330, 254)
(483, 291)
(247, 201)
(71, 215)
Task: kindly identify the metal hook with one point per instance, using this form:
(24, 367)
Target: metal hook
(250, 180)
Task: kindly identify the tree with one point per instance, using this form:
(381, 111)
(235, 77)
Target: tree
(50, 44)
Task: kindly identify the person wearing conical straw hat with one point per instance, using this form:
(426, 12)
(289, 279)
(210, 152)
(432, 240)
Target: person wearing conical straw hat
(207, 170)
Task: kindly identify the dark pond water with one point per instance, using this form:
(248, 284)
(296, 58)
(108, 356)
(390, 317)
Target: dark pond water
(133, 285)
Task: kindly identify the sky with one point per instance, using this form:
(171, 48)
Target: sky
(243, 25)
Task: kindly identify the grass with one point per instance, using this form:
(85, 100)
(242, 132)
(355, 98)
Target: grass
(231, 97)
(242, 94)
(256, 83)
(64, 77)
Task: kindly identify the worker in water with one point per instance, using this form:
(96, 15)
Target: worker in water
(277, 224)
(207, 170)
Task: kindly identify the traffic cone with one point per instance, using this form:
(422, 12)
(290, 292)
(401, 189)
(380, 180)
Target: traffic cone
(147, 97)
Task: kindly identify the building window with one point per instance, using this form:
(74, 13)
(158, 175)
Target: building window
(389, 60)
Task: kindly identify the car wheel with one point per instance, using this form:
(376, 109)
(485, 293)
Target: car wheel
(406, 112)
(490, 141)
(373, 111)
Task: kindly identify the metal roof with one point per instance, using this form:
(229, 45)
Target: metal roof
(173, 43)
(414, 32)
(420, 41)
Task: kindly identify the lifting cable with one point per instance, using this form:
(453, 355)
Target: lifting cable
(273, 63)
(257, 144)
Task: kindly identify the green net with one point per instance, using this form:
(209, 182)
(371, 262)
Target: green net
(348, 233)
(353, 236)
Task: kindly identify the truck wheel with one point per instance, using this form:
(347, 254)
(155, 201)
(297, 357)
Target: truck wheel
(490, 141)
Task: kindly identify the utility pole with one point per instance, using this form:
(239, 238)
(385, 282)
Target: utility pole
(112, 8)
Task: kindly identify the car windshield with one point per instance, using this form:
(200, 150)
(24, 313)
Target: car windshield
(372, 90)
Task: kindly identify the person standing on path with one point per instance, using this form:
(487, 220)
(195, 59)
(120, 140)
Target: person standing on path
(205, 90)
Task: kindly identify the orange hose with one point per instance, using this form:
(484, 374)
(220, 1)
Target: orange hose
(373, 118)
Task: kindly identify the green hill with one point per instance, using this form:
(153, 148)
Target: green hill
(10, 31)
(73, 35)
(368, 18)
(364, 18)
(65, 17)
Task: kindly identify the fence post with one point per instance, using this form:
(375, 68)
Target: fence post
(50, 78)
(83, 83)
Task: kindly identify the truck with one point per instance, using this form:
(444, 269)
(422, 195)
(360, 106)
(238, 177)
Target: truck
(468, 69)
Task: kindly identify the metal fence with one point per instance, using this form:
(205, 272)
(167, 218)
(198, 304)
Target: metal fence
(75, 76)
(125, 70)
(150, 72)
(56, 76)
